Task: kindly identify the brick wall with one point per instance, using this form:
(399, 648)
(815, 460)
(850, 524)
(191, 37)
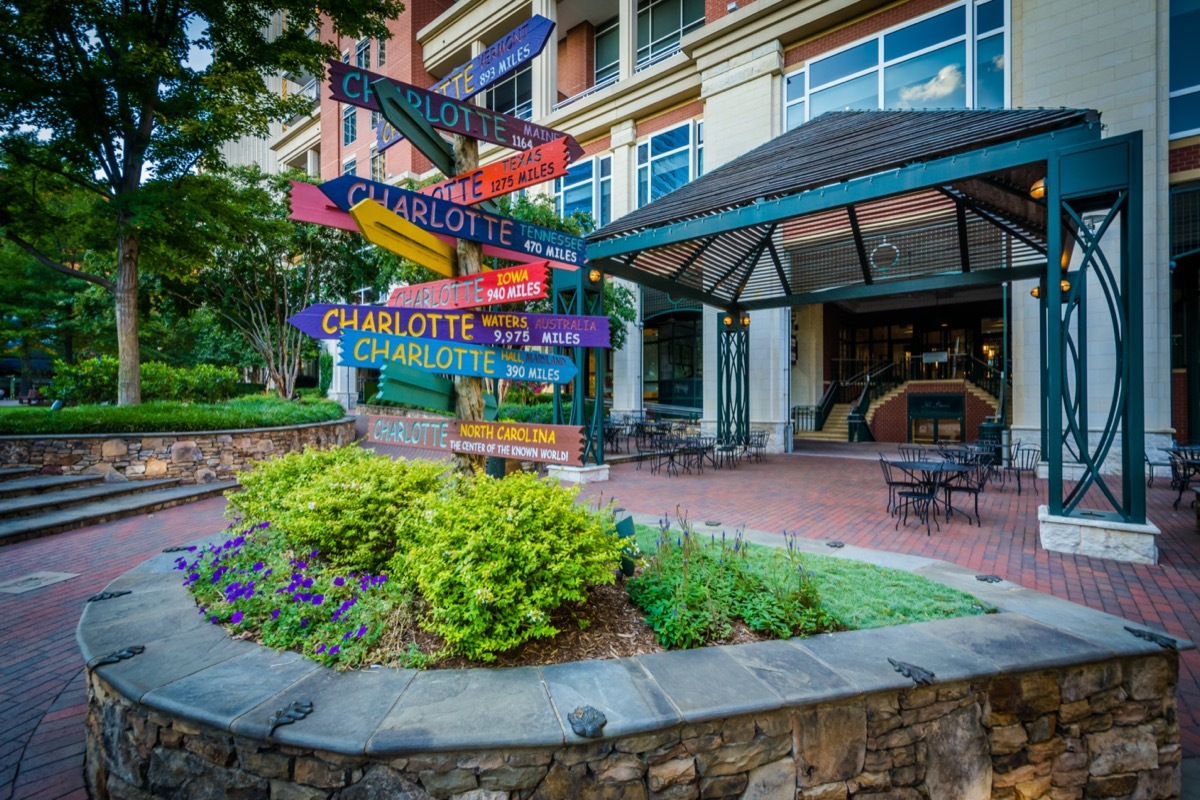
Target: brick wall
(669, 119)
(890, 423)
(1179, 405)
(577, 60)
(1183, 159)
(857, 30)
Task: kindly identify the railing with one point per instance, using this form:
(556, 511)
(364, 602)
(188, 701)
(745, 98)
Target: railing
(667, 411)
(812, 418)
(604, 84)
(857, 419)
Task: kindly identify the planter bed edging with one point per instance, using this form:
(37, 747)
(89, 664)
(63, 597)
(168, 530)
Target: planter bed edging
(1046, 692)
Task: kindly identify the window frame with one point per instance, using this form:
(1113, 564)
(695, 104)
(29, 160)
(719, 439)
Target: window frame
(1175, 94)
(523, 109)
(970, 38)
(350, 166)
(644, 173)
(349, 124)
(651, 58)
(378, 157)
(600, 210)
(362, 54)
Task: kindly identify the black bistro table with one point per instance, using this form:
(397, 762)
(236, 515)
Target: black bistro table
(925, 473)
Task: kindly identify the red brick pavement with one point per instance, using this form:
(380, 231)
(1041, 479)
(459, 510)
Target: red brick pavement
(842, 497)
(42, 699)
(42, 694)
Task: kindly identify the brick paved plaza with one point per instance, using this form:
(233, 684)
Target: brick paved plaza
(836, 495)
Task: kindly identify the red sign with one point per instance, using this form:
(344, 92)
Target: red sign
(547, 444)
(508, 285)
(543, 163)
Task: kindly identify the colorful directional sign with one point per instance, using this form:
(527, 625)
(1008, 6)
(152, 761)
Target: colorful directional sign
(552, 444)
(373, 350)
(508, 285)
(309, 204)
(400, 383)
(510, 51)
(397, 235)
(451, 219)
(400, 101)
(543, 163)
(328, 321)
(422, 433)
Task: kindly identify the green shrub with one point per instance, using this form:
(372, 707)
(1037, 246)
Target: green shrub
(692, 590)
(540, 413)
(325, 368)
(493, 559)
(249, 389)
(94, 380)
(343, 502)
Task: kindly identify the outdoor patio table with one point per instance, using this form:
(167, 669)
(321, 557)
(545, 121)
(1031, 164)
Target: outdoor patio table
(1189, 460)
(923, 472)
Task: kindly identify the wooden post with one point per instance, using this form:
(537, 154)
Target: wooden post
(469, 261)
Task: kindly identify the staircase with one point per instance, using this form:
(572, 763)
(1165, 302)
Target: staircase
(33, 504)
(836, 429)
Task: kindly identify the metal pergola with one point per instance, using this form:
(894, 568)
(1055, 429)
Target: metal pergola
(863, 204)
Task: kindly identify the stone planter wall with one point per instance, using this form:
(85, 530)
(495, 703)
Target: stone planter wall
(1099, 730)
(197, 457)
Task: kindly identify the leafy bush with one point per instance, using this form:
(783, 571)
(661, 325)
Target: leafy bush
(494, 558)
(692, 590)
(540, 413)
(343, 501)
(247, 389)
(325, 368)
(256, 412)
(94, 380)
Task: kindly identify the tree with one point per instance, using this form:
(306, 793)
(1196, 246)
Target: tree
(35, 311)
(263, 268)
(102, 93)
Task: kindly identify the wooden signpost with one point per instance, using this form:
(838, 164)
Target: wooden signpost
(508, 285)
(329, 321)
(373, 350)
(463, 222)
(543, 163)
(397, 235)
(423, 433)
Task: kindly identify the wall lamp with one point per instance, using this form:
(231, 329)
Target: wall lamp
(742, 318)
(594, 275)
(1064, 285)
(1038, 190)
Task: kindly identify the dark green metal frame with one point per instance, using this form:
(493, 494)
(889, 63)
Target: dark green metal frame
(733, 378)
(576, 293)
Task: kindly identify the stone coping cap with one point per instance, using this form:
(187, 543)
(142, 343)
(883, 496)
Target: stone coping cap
(151, 434)
(192, 670)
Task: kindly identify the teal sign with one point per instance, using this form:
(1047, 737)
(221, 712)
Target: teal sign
(374, 350)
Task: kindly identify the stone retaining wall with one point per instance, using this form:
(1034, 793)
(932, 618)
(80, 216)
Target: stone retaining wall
(198, 457)
(1099, 730)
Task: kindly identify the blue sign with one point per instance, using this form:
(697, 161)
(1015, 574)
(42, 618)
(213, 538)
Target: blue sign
(462, 222)
(518, 46)
(374, 350)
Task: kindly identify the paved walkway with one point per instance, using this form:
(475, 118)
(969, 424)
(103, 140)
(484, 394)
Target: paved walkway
(839, 496)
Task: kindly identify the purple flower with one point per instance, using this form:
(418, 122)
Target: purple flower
(275, 614)
(257, 566)
(192, 548)
(215, 620)
(313, 554)
(320, 649)
(346, 635)
(195, 576)
(362, 630)
(301, 565)
(333, 650)
(237, 617)
(304, 622)
(339, 581)
(318, 599)
(308, 582)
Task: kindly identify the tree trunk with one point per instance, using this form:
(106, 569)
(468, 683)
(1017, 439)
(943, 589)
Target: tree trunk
(468, 390)
(129, 376)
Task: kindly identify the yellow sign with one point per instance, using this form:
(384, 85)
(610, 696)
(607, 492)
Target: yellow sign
(396, 234)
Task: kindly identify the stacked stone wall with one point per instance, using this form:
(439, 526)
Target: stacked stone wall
(200, 457)
(1101, 730)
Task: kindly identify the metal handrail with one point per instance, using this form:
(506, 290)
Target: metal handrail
(826, 404)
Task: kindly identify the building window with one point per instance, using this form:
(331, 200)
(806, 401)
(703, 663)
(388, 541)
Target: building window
(668, 160)
(661, 24)
(587, 187)
(379, 167)
(1184, 80)
(349, 124)
(608, 52)
(350, 167)
(952, 58)
(376, 118)
(382, 52)
(513, 95)
(362, 54)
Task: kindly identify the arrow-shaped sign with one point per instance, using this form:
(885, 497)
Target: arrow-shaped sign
(543, 163)
(451, 219)
(508, 285)
(373, 350)
(399, 383)
(397, 235)
(309, 204)
(400, 102)
(554, 444)
(329, 321)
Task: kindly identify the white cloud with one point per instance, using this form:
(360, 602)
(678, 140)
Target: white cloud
(948, 80)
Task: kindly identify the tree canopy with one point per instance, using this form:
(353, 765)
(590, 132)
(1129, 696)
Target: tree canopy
(103, 95)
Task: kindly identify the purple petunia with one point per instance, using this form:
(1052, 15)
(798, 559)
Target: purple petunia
(304, 622)
(339, 581)
(257, 566)
(320, 649)
(237, 617)
(362, 631)
(275, 614)
(308, 582)
(346, 636)
(333, 650)
(318, 599)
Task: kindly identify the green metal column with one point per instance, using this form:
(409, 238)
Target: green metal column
(1104, 182)
(582, 292)
(733, 377)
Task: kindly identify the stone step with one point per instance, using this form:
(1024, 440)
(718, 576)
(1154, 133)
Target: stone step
(26, 505)
(38, 484)
(49, 522)
(9, 473)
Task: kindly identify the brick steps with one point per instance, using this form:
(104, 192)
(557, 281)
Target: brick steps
(27, 505)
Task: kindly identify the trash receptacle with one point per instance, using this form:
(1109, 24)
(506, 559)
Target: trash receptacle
(495, 467)
(992, 430)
